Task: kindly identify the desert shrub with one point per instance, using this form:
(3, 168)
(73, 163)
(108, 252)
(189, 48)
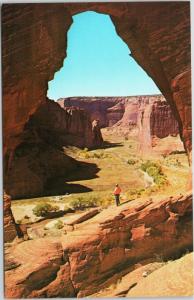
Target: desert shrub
(99, 154)
(132, 161)
(85, 153)
(155, 171)
(83, 202)
(59, 224)
(173, 162)
(135, 193)
(42, 209)
(26, 217)
(105, 200)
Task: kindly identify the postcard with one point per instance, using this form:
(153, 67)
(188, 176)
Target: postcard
(97, 149)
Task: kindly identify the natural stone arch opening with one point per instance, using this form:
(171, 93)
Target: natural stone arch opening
(157, 72)
(98, 62)
(132, 33)
(27, 78)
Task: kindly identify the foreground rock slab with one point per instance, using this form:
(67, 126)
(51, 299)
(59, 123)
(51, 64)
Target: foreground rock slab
(175, 279)
(86, 260)
(127, 282)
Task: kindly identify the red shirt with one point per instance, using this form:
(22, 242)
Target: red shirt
(117, 190)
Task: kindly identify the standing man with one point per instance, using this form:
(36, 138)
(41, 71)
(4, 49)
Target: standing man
(117, 192)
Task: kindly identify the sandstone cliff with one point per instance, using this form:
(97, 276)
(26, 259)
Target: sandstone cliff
(98, 107)
(128, 112)
(39, 157)
(68, 126)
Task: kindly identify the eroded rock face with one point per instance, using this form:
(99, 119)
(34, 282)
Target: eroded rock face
(147, 117)
(162, 121)
(125, 112)
(34, 163)
(103, 109)
(39, 157)
(154, 120)
(63, 127)
(97, 140)
(99, 250)
(8, 222)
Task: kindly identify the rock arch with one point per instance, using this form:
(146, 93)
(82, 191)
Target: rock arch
(34, 43)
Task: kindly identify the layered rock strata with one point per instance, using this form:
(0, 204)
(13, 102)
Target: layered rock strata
(101, 250)
(146, 116)
(107, 110)
(63, 127)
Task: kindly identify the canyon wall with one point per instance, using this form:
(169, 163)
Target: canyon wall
(108, 110)
(128, 112)
(34, 47)
(63, 127)
(162, 121)
(39, 157)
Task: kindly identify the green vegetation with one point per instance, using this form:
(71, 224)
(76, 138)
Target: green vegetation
(155, 171)
(99, 154)
(121, 163)
(59, 224)
(93, 199)
(83, 202)
(172, 162)
(133, 194)
(42, 209)
(132, 161)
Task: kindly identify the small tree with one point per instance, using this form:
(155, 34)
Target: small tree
(42, 209)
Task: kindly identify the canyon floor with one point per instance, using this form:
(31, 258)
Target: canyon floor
(117, 162)
(133, 265)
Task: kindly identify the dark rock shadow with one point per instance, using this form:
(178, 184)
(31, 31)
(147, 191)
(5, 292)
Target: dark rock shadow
(107, 144)
(125, 202)
(84, 171)
(59, 186)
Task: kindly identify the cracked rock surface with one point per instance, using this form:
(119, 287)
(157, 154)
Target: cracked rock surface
(101, 249)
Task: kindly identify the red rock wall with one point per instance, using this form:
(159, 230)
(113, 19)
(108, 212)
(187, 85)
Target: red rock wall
(9, 226)
(154, 119)
(39, 157)
(162, 121)
(124, 111)
(62, 127)
(99, 108)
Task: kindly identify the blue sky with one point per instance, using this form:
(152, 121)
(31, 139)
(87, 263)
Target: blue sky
(98, 63)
